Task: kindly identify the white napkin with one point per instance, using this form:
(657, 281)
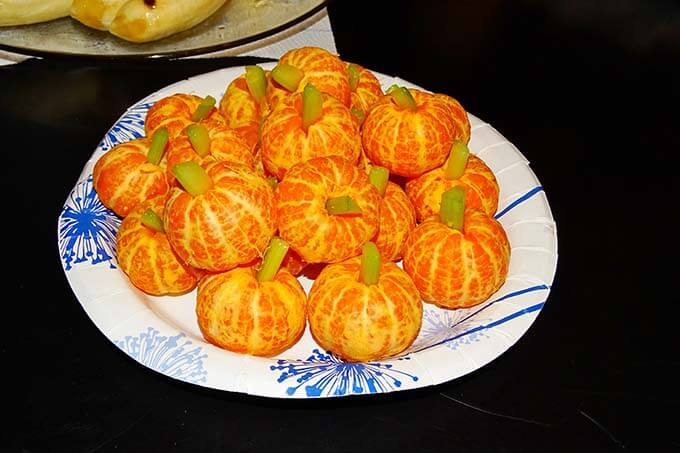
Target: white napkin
(314, 31)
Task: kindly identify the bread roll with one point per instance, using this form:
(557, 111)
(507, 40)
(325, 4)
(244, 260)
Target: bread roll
(96, 13)
(22, 12)
(149, 20)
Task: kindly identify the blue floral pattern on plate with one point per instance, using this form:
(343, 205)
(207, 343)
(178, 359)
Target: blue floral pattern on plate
(171, 356)
(87, 229)
(325, 375)
(129, 127)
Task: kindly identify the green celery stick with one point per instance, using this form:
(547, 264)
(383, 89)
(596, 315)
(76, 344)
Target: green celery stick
(455, 166)
(312, 106)
(273, 257)
(452, 208)
(342, 205)
(158, 144)
(150, 219)
(287, 76)
(203, 109)
(256, 81)
(192, 177)
(199, 138)
(370, 264)
(379, 177)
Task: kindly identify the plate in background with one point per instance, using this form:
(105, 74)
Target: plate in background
(238, 22)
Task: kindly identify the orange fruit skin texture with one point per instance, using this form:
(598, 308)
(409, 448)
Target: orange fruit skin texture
(123, 178)
(320, 68)
(452, 269)
(174, 112)
(364, 163)
(286, 143)
(225, 146)
(361, 323)
(479, 182)
(316, 235)
(240, 314)
(459, 116)
(227, 226)
(368, 90)
(397, 220)
(407, 142)
(242, 112)
(146, 257)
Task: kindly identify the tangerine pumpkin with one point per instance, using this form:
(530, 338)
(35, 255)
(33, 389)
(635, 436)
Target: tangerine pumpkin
(479, 182)
(361, 320)
(226, 223)
(410, 138)
(177, 111)
(458, 267)
(302, 209)
(124, 177)
(243, 312)
(222, 145)
(286, 141)
(146, 257)
(243, 111)
(318, 67)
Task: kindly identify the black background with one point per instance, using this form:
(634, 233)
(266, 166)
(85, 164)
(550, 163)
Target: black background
(588, 91)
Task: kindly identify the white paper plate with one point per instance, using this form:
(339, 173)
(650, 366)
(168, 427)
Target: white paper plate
(161, 333)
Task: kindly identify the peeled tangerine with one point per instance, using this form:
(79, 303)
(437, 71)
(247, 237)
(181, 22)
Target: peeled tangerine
(460, 259)
(244, 104)
(259, 312)
(459, 116)
(145, 256)
(221, 218)
(309, 65)
(471, 173)
(409, 132)
(125, 176)
(205, 143)
(287, 140)
(178, 111)
(365, 90)
(397, 216)
(364, 310)
(326, 209)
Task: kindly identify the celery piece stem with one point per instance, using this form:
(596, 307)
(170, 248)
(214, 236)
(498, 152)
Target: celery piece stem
(452, 208)
(256, 81)
(199, 139)
(342, 205)
(312, 106)
(158, 142)
(192, 177)
(379, 177)
(150, 219)
(273, 257)
(403, 98)
(354, 75)
(455, 166)
(370, 264)
(203, 109)
(287, 76)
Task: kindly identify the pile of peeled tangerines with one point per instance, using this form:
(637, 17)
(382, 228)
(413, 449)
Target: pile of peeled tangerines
(309, 163)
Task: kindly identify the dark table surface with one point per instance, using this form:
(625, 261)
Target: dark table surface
(589, 93)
